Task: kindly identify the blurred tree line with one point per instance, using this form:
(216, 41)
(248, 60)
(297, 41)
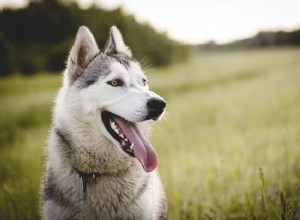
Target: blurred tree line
(39, 37)
(262, 39)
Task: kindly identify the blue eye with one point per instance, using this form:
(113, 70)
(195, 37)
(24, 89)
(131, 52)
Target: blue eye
(116, 82)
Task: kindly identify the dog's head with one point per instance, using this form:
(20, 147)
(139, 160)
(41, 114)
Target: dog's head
(110, 91)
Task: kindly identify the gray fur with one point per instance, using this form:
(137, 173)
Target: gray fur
(99, 67)
(88, 176)
(114, 196)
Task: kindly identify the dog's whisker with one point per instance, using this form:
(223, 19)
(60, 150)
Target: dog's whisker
(99, 153)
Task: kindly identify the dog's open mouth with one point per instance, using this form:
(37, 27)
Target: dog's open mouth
(131, 139)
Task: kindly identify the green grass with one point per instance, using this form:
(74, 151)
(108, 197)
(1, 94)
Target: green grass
(228, 147)
(24, 120)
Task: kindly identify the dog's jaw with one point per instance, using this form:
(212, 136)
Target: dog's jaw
(115, 131)
(130, 139)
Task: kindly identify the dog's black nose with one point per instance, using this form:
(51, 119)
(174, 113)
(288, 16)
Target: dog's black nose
(156, 104)
(155, 107)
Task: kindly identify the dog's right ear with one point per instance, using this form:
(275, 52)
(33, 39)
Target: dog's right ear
(83, 50)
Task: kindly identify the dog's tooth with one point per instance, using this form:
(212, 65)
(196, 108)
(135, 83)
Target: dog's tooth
(113, 126)
(121, 135)
(111, 122)
(126, 139)
(131, 146)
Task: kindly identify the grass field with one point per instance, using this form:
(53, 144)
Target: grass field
(229, 147)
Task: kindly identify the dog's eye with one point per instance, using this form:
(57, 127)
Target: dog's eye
(116, 82)
(144, 81)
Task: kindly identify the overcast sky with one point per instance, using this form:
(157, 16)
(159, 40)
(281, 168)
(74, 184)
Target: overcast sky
(198, 21)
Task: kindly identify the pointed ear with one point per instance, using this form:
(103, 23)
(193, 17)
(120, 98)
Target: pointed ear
(83, 50)
(116, 44)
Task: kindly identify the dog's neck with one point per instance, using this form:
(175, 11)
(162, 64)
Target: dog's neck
(69, 142)
(83, 178)
(79, 141)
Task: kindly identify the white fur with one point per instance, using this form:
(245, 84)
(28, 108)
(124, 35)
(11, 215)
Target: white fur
(77, 114)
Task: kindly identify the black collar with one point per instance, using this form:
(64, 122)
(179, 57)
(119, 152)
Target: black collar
(84, 177)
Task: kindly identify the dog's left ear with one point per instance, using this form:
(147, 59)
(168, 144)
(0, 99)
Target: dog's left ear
(116, 44)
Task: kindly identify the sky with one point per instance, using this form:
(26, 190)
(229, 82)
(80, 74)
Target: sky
(199, 21)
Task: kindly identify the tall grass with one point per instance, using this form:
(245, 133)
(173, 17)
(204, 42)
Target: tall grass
(228, 147)
(24, 120)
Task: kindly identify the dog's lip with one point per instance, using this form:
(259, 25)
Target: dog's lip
(126, 145)
(131, 139)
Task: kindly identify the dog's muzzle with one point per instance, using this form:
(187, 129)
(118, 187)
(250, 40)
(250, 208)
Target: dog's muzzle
(155, 108)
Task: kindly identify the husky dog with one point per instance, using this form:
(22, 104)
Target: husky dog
(100, 164)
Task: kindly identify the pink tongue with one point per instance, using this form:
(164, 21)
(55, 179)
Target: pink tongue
(143, 150)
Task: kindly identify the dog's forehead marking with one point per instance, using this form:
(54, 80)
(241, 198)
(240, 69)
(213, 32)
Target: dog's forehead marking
(98, 66)
(131, 75)
(118, 71)
(102, 65)
(121, 58)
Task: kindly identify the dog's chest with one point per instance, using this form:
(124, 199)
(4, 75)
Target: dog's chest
(126, 198)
